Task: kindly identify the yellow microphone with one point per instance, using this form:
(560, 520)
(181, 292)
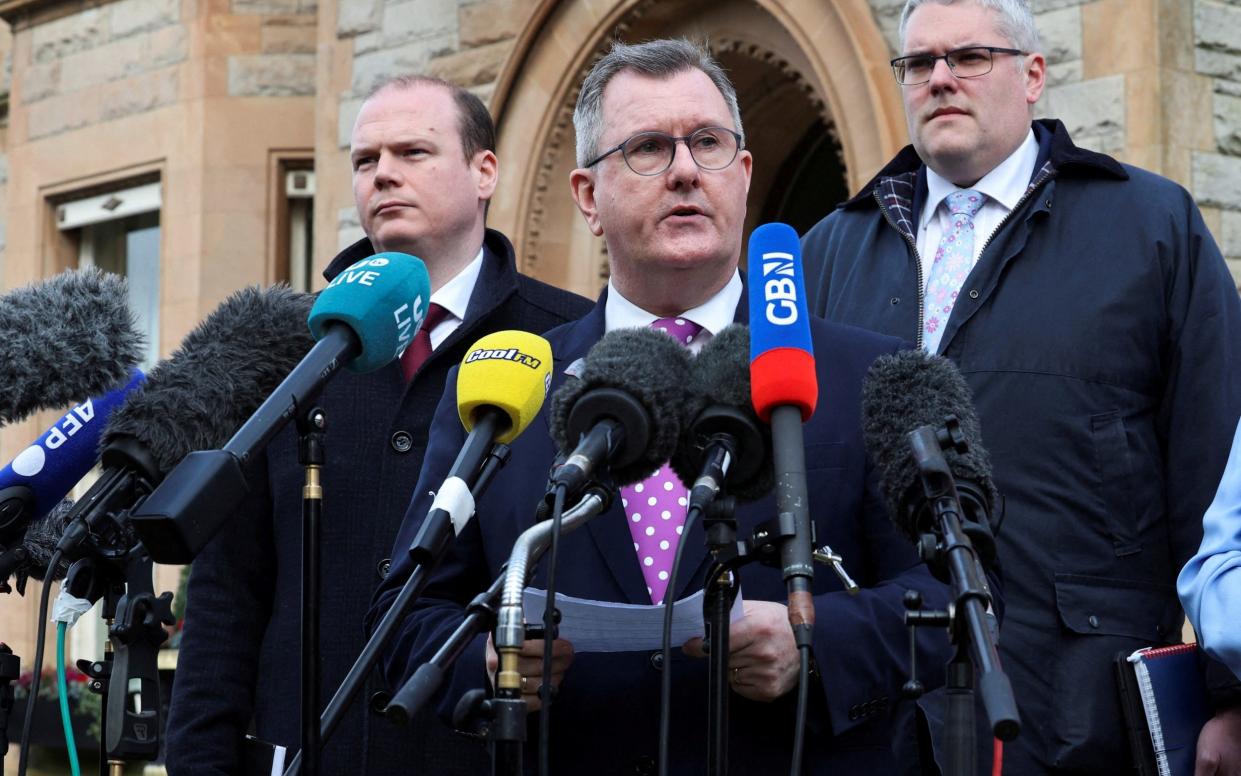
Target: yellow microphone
(508, 371)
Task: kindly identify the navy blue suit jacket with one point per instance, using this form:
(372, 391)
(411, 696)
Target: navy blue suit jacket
(606, 717)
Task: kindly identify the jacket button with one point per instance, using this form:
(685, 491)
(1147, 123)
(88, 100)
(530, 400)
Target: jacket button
(894, 300)
(379, 701)
(1094, 621)
(644, 766)
(383, 567)
(973, 293)
(853, 713)
(657, 660)
(402, 442)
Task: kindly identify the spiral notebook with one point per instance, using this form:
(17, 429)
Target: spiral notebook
(1166, 704)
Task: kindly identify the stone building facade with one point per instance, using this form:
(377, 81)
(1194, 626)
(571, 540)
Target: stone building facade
(222, 102)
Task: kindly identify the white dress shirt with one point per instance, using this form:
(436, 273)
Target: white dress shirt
(712, 315)
(454, 297)
(1004, 187)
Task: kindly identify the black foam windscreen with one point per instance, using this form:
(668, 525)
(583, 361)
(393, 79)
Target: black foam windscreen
(64, 339)
(720, 378)
(903, 392)
(42, 537)
(649, 366)
(224, 369)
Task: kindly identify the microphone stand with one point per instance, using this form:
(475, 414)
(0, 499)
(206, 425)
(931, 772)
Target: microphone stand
(944, 542)
(311, 429)
(386, 630)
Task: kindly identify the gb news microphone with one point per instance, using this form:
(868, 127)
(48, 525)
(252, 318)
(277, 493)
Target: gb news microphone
(39, 477)
(363, 320)
(785, 389)
(501, 385)
(64, 339)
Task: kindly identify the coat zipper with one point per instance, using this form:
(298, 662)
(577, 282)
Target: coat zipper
(913, 245)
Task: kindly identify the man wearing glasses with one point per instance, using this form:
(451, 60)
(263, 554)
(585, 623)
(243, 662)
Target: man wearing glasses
(1100, 332)
(662, 177)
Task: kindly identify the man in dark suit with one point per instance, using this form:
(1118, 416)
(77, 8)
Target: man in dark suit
(662, 177)
(424, 170)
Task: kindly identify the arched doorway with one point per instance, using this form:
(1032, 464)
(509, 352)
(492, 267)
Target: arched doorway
(818, 120)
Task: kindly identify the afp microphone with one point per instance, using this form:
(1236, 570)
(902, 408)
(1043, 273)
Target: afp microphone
(64, 339)
(501, 385)
(724, 445)
(785, 390)
(625, 413)
(220, 373)
(364, 319)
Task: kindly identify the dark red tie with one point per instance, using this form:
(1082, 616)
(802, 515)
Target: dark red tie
(420, 349)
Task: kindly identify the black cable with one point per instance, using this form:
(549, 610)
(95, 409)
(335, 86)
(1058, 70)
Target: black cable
(803, 702)
(40, 643)
(549, 626)
(665, 681)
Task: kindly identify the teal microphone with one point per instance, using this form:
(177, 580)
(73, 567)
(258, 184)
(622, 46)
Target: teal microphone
(382, 300)
(363, 320)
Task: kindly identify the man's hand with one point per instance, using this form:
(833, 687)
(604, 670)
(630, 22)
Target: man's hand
(762, 660)
(530, 666)
(1219, 745)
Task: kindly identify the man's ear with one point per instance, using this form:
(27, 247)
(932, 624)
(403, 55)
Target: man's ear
(582, 184)
(487, 170)
(1036, 78)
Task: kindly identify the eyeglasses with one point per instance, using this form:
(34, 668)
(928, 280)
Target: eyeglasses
(963, 63)
(650, 153)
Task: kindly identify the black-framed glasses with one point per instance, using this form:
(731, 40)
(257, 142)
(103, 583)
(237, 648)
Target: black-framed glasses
(650, 153)
(969, 62)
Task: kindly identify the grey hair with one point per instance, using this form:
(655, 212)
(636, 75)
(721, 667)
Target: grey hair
(659, 58)
(1016, 20)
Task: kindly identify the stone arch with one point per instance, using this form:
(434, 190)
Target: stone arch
(819, 67)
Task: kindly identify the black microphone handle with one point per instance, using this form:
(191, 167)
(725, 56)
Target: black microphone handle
(792, 504)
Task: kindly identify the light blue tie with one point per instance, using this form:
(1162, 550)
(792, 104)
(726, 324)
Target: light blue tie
(953, 260)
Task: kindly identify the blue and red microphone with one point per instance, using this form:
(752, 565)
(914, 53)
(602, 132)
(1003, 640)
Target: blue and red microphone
(785, 390)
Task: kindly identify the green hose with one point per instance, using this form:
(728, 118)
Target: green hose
(63, 686)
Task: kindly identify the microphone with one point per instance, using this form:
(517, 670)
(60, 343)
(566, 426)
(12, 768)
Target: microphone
(785, 389)
(33, 556)
(923, 435)
(903, 392)
(34, 483)
(63, 339)
(209, 385)
(364, 319)
(501, 385)
(725, 444)
(627, 410)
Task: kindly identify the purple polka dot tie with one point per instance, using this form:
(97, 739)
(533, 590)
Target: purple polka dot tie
(953, 260)
(655, 508)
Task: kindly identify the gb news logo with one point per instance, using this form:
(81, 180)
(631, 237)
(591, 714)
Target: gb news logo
(780, 287)
(505, 354)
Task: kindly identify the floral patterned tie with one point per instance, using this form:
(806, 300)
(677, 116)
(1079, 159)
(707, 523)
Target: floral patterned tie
(953, 260)
(656, 507)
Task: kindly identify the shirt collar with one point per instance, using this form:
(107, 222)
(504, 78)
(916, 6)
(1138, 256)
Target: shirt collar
(1006, 184)
(454, 296)
(712, 315)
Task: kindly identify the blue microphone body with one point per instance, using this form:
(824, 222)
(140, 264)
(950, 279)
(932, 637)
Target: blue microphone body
(40, 476)
(784, 389)
(363, 320)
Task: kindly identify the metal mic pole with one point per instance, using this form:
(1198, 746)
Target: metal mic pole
(311, 428)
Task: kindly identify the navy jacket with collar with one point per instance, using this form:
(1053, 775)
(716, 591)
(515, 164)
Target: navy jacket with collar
(238, 667)
(1100, 333)
(606, 717)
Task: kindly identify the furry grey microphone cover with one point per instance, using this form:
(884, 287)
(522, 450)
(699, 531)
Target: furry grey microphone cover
(721, 378)
(63, 340)
(42, 537)
(905, 391)
(651, 367)
(224, 369)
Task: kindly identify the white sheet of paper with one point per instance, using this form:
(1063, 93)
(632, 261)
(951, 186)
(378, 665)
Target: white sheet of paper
(604, 626)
